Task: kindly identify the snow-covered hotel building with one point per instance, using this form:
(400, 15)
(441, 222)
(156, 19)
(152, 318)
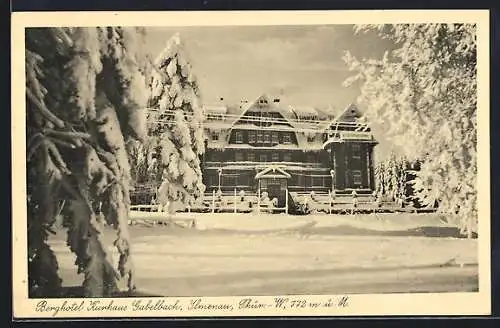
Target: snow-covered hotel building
(265, 144)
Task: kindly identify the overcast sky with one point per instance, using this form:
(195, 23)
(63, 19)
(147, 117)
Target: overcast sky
(243, 62)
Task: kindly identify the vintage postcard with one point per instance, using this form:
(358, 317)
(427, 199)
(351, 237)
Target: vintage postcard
(250, 163)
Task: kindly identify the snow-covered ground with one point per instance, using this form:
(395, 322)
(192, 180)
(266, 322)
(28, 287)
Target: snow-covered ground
(233, 256)
(270, 222)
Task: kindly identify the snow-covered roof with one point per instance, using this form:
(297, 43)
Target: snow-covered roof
(350, 136)
(247, 146)
(263, 103)
(348, 114)
(304, 111)
(304, 143)
(246, 126)
(215, 109)
(273, 172)
(350, 117)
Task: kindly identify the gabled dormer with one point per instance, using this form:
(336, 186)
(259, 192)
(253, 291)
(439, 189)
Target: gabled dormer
(263, 111)
(349, 125)
(350, 119)
(350, 114)
(263, 123)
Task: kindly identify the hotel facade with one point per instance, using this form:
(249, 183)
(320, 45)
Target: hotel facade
(265, 146)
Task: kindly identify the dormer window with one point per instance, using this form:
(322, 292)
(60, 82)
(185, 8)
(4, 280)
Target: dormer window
(259, 137)
(275, 139)
(267, 137)
(286, 138)
(310, 138)
(215, 136)
(251, 137)
(239, 137)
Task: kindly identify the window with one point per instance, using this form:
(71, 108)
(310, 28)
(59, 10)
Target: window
(276, 157)
(251, 137)
(259, 137)
(311, 159)
(310, 139)
(286, 138)
(213, 156)
(274, 138)
(267, 137)
(263, 157)
(215, 136)
(238, 156)
(356, 151)
(263, 184)
(239, 137)
(356, 177)
(251, 157)
(243, 180)
(213, 180)
(287, 157)
(307, 181)
(228, 181)
(317, 181)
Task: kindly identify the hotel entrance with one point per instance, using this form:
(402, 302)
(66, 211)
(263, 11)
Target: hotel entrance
(275, 188)
(274, 181)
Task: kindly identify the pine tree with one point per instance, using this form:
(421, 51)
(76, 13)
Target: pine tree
(380, 178)
(392, 177)
(84, 94)
(176, 130)
(139, 161)
(424, 92)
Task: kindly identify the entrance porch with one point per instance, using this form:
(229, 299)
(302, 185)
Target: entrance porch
(273, 188)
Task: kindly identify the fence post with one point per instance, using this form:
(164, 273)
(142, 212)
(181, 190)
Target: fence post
(330, 200)
(258, 199)
(286, 200)
(235, 200)
(213, 201)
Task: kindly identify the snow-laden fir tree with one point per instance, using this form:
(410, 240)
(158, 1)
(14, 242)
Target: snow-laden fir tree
(176, 129)
(392, 177)
(138, 158)
(84, 96)
(379, 172)
(424, 92)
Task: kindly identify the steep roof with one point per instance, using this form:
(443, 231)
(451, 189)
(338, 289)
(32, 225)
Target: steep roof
(304, 111)
(304, 129)
(349, 114)
(267, 104)
(215, 108)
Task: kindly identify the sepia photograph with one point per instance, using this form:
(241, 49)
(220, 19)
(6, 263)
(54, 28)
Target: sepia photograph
(180, 162)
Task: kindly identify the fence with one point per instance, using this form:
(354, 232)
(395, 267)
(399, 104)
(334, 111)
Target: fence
(234, 202)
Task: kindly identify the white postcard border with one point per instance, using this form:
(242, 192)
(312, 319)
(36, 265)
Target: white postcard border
(478, 303)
